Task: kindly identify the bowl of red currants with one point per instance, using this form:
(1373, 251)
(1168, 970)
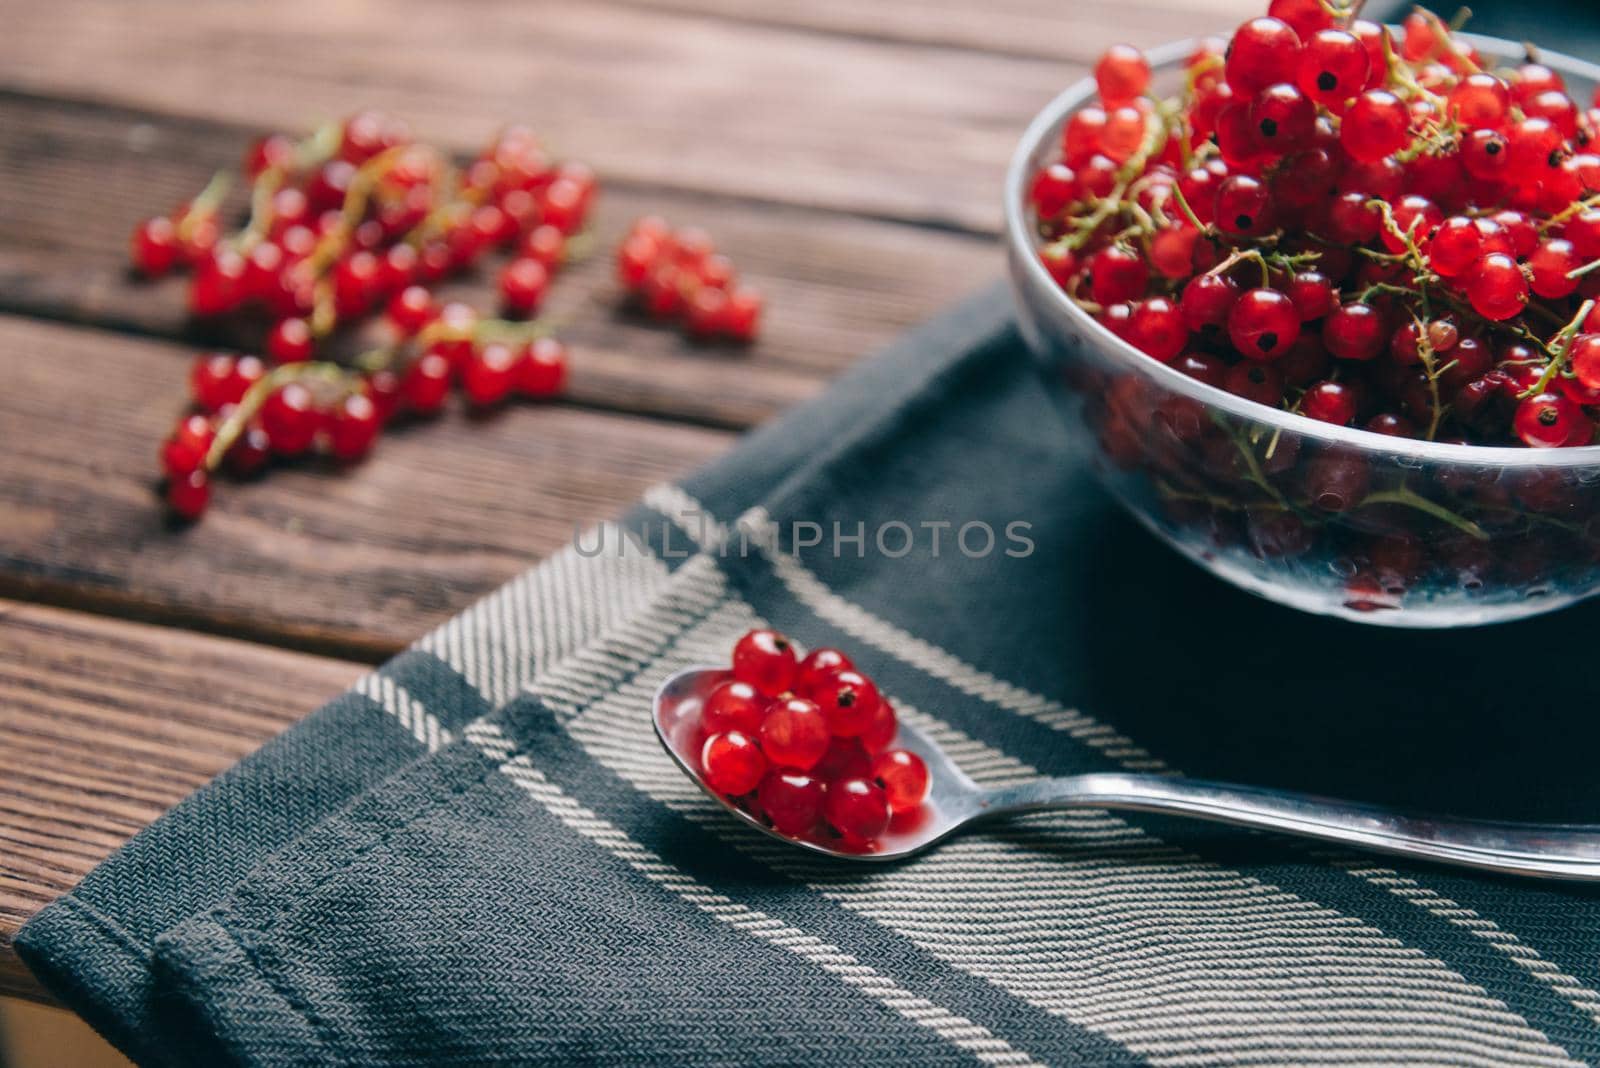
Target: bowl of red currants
(1319, 303)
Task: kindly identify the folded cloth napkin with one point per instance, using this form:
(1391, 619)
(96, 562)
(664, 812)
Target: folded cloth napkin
(480, 854)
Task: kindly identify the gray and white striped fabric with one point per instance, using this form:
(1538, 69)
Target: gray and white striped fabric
(480, 855)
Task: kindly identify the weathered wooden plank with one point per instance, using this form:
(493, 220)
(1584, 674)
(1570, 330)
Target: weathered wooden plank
(887, 128)
(105, 724)
(357, 563)
(74, 178)
(1045, 29)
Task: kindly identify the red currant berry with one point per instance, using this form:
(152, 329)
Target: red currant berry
(546, 244)
(1158, 329)
(218, 285)
(904, 778)
(1391, 425)
(426, 383)
(1329, 402)
(1353, 218)
(189, 494)
(411, 309)
(1416, 217)
(542, 368)
(490, 375)
(1584, 357)
(817, 666)
(1375, 126)
(523, 284)
(291, 420)
(1122, 75)
(1208, 299)
(1117, 274)
(188, 445)
(1456, 245)
(1172, 250)
(1355, 332)
(1534, 150)
(765, 659)
(849, 700)
(1264, 51)
(1549, 421)
(154, 247)
(857, 809)
(1263, 324)
(792, 800)
(354, 428)
(795, 734)
(1336, 482)
(1496, 287)
(732, 763)
(250, 452)
(1549, 266)
(733, 706)
(742, 318)
(1334, 67)
(1259, 382)
(1313, 295)
(1480, 102)
(1243, 206)
(1283, 117)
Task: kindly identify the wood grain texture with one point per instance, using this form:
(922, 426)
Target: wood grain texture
(837, 287)
(1043, 29)
(878, 127)
(105, 724)
(358, 563)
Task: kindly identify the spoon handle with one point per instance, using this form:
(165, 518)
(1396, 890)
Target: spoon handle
(1551, 851)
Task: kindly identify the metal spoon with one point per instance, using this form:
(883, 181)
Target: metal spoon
(1549, 851)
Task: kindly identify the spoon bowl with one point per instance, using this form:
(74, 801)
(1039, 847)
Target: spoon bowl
(954, 802)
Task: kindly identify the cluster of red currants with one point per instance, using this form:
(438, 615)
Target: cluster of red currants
(359, 218)
(681, 275)
(1369, 230)
(806, 744)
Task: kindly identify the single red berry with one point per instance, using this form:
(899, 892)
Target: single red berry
(795, 734)
(154, 247)
(1158, 329)
(1485, 155)
(765, 659)
(1283, 117)
(1117, 273)
(211, 381)
(218, 284)
(1259, 382)
(1391, 425)
(904, 778)
(1375, 126)
(1416, 217)
(273, 150)
(1243, 206)
(1121, 75)
(742, 318)
(1534, 150)
(817, 666)
(880, 733)
(383, 389)
(490, 375)
(792, 800)
(1549, 266)
(1480, 101)
(411, 309)
(845, 759)
(1263, 324)
(849, 700)
(732, 763)
(189, 494)
(1334, 67)
(706, 312)
(1336, 481)
(1264, 51)
(857, 809)
(1313, 295)
(1353, 218)
(426, 383)
(354, 428)
(1456, 245)
(355, 283)
(185, 450)
(290, 341)
(523, 284)
(1549, 421)
(1208, 299)
(250, 452)
(1123, 133)
(542, 368)
(1355, 332)
(1054, 188)
(733, 706)
(291, 420)
(1496, 287)
(1081, 138)
(1584, 357)
(1172, 250)
(636, 258)
(564, 203)
(1306, 17)
(1329, 402)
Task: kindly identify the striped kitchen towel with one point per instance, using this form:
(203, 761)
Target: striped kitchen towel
(480, 854)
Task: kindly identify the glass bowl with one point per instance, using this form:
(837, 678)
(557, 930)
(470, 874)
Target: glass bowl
(1327, 519)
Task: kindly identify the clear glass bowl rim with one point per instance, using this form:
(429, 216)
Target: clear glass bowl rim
(1024, 249)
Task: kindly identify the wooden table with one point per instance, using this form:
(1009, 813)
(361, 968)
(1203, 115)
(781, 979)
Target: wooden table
(847, 154)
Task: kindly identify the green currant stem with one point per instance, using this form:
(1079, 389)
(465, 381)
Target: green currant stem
(1411, 499)
(1560, 345)
(205, 203)
(250, 404)
(1579, 272)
